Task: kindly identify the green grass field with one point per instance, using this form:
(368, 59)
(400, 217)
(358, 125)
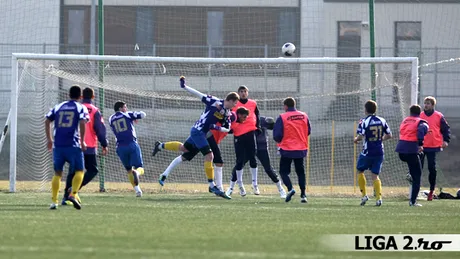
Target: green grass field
(119, 225)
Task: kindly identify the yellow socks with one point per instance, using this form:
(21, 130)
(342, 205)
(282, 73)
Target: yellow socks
(76, 182)
(378, 189)
(209, 170)
(362, 183)
(172, 145)
(131, 178)
(55, 186)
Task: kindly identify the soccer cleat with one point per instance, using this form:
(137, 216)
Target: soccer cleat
(229, 192)
(77, 198)
(162, 180)
(53, 206)
(242, 191)
(220, 193)
(156, 148)
(255, 189)
(282, 193)
(303, 199)
(75, 203)
(210, 189)
(378, 203)
(139, 193)
(415, 204)
(430, 196)
(289, 195)
(364, 199)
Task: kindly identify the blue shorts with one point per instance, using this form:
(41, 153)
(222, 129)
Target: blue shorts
(372, 163)
(197, 139)
(130, 156)
(71, 155)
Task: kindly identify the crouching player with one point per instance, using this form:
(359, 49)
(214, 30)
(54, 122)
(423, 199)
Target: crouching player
(266, 123)
(128, 149)
(373, 130)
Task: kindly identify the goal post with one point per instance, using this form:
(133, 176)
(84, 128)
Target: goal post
(39, 81)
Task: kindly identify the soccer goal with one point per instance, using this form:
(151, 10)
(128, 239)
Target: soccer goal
(331, 90)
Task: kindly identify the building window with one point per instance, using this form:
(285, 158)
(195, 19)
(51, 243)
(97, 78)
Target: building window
(348, 76)
(348, 45)
(76, 31)
(408, 43)
(144, 31)
(287, 27)
(215, 34)
(408, 39)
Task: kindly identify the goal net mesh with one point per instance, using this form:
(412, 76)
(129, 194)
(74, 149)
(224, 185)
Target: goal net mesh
(333, 95)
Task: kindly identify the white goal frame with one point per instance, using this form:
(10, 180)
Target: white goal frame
(263, 61)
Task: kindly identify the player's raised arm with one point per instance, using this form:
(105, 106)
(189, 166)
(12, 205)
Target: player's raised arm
(191, 90)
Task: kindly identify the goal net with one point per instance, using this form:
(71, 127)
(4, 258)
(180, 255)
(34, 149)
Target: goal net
(332, 91)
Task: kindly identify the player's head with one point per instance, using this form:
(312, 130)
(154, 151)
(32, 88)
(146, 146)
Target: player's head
(415, 109)
(243, 91)
(231, 100)
(75, 92)
(120, 106)
(270, 122)
(429, 102)
(289, 103)
(370, 107)
(88, 93)
(242, 114)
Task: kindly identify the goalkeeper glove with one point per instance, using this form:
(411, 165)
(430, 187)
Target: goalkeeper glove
(219, 128)
(182, 81)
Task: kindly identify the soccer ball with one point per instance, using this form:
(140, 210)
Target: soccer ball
(288, 49)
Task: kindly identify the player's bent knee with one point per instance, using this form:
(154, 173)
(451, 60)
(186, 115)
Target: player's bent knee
(206, 151)
(140, 170)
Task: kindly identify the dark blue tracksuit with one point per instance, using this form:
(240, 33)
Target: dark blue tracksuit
(430, 153)
(262, 152)
(408, 152)
(298, 156)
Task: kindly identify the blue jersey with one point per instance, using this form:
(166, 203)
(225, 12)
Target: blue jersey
(373, 128)
(213, 113)
(66, 117)
(123, 128)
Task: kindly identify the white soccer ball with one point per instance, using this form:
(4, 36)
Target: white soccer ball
(288, 49)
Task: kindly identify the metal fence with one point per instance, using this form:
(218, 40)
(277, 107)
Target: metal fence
(438, 71)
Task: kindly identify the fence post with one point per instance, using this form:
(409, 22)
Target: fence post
(265, 78)
(436, 72)
(209, 70)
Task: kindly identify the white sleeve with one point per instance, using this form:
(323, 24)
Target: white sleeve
(195, 92)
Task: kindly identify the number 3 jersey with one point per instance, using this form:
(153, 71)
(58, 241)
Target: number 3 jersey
(373, 128)
(123, 128)
(66, 117)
